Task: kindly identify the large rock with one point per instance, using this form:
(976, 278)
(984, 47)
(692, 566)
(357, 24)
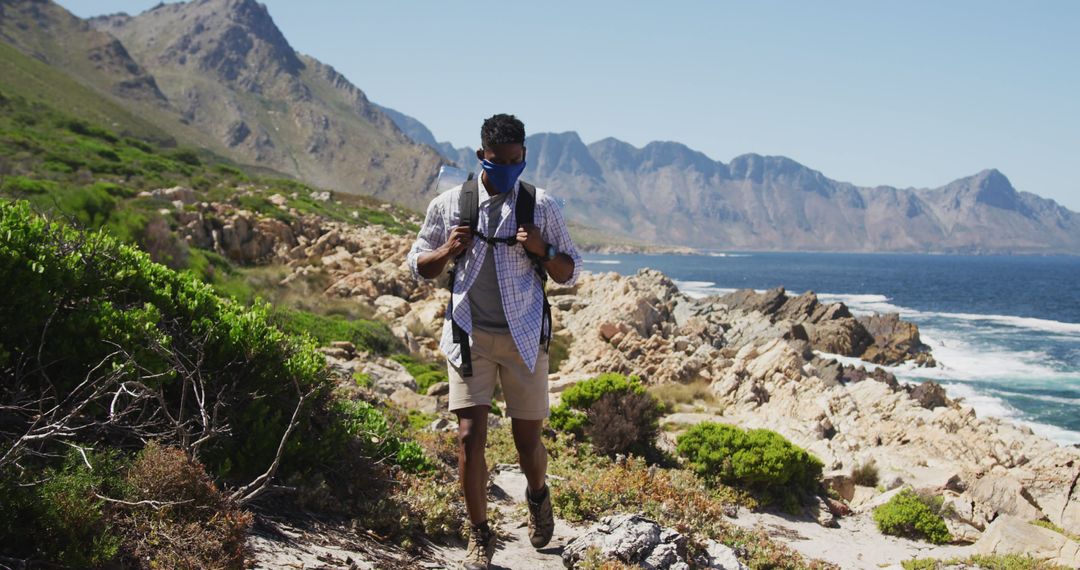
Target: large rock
(843, 336)
(930, 395)
(388, 376)
(895, 341)
(634, 539)
(748, 300)
(997, 493)
(1012, 535)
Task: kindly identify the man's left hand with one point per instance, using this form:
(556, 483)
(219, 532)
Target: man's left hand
(528, 235)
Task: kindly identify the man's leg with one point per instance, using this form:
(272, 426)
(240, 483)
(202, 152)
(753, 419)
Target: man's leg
(532, 455)
(472, 464)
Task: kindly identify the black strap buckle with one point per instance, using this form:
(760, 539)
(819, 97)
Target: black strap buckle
(512, 240)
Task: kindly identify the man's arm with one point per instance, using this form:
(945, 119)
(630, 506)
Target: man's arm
(565, 267)
(430, 264)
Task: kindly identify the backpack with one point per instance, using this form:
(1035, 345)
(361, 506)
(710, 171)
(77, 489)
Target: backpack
(524, 212)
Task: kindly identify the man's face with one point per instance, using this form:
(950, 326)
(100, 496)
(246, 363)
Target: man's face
(508, 153)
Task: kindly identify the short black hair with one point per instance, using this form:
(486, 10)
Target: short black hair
(502, 129)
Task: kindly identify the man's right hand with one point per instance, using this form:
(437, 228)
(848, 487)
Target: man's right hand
(460, 239)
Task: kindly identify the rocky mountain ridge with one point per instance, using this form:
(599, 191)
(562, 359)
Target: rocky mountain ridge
(668, 193)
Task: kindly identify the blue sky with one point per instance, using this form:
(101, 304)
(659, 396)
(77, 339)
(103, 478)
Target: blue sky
(898, 93)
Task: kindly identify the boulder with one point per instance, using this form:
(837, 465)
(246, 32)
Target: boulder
(841, 482)
(390, 306)
(388, 376)
(410, 400)
(844, 336)
(632, 539)
(438, 389)
(1012, 535)
(998, 493)
(748, 300)
(930, 395)
(895, 341)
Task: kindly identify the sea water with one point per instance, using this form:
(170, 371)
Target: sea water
(1005, 330)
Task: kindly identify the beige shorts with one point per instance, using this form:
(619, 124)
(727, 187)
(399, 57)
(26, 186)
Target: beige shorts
(495, 358)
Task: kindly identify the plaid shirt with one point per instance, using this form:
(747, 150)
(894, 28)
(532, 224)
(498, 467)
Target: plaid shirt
(522, 297)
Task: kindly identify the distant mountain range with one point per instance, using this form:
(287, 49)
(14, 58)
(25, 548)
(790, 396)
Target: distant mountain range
(220, 75)
(667, 193)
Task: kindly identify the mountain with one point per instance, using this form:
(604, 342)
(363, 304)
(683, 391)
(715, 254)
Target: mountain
(667, 193)
(219, 74)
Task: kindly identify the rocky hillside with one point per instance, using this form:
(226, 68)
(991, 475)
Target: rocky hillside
(667, 193)
(218, 74)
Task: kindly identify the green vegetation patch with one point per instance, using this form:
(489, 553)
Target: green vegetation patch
(371, 336)
(912, 516)
(759, 460)
(426, 374)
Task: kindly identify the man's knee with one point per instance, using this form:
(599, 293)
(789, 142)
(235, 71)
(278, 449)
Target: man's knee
(527, 437)
(472, 429)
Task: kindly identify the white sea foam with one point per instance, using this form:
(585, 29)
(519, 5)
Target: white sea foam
(699, 289)
(1042, 325)
(1039, 397)
(862, 304)
(985, 405)
(603, 261)
(721, 254)
(867, 304)
(990, 406)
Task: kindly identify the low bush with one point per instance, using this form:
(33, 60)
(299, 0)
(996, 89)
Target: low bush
(612, 411)
(371, 336)
(909, 515)
(365, 422)
(865, 474)
(983, 562)
(759, 460)
(174, 516)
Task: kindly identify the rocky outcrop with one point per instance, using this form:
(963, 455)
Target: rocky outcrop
(1013, 535)
(894, 341)
(633, 539)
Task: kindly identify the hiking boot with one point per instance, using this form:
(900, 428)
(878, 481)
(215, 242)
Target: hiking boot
(481, 548)
(541, 519)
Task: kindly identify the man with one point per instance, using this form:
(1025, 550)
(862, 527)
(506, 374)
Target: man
(497, 308)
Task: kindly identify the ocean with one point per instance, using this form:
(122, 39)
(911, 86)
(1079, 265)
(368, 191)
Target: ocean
(1005, 330)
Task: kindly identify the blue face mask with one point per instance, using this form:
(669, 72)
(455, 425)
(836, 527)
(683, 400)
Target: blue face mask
(502, 176)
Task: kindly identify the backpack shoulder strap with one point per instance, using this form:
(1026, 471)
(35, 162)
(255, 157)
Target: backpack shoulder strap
(525, 211)
(469, 202)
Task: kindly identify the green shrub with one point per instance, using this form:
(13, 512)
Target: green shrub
(363, 420)
(984, 562)
(21, 186)
(87, 303)
(570, 416)
(759, 460)
(908, 515)
(62, 519)
(613, 412)
(372, 336)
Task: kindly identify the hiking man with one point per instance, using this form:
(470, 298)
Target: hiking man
(503, 243)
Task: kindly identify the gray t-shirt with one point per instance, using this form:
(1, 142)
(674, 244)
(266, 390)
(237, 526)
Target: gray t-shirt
(485, 298)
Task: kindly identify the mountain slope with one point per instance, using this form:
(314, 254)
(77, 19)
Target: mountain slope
(232, 75)
(218, 74)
